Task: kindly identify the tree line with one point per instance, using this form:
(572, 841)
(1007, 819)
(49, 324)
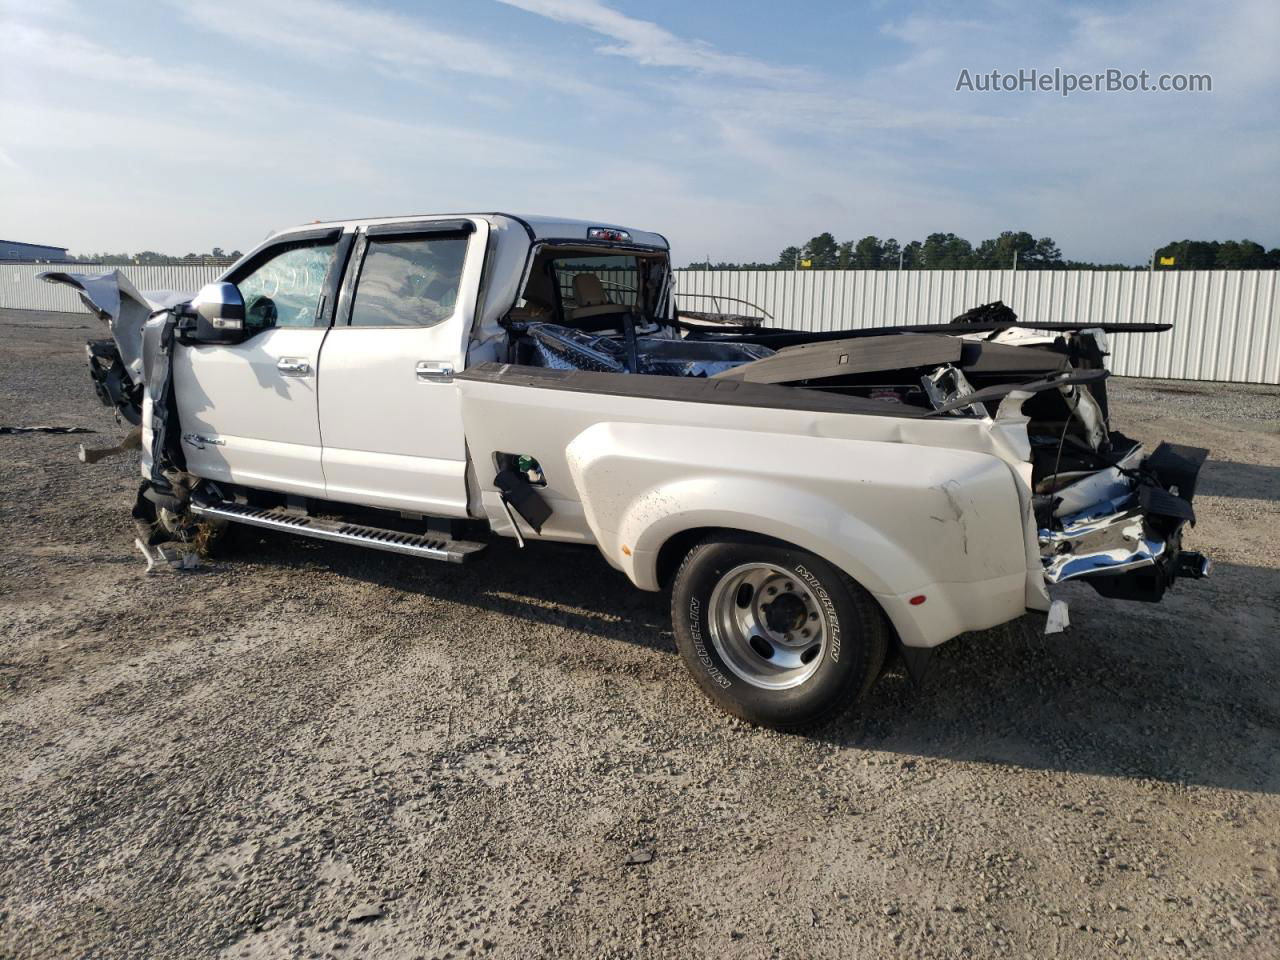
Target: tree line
(947, 251)
(938, 251)
(150, 258)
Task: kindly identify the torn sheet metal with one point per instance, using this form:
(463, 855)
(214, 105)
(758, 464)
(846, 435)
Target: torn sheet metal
(114, 299)
(1086, 410)
(946, 386)
(564, 348)
(1001, 390)
(1100, 487)
(1092, 542)
(1132, 519)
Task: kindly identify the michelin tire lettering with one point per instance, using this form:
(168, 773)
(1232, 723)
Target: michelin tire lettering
(833, 619)
(695, 631)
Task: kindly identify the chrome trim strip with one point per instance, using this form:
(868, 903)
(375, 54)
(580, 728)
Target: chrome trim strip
(199, 442)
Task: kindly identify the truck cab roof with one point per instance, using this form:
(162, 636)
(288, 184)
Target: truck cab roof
(538, 228)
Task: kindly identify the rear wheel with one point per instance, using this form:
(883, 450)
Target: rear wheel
(775, 634)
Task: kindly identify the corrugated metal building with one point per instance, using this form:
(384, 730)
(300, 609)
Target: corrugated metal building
(32, 252)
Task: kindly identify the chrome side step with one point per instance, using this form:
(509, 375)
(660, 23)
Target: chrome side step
(378, 538)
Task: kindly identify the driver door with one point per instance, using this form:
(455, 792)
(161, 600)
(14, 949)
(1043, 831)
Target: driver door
(249, 411)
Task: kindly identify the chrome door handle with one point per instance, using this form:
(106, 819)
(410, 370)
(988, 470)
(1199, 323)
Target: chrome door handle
(292, 367)
(434, 370)
(199, 442)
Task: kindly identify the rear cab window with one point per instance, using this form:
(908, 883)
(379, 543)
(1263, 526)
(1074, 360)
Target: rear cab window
(617, 276)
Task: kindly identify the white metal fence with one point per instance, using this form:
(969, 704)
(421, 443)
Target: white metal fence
(1226, 323)
(21, 288)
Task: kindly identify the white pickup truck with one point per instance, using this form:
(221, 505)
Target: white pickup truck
(813, 501)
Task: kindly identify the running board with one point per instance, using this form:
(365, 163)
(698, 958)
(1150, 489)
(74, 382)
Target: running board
(339, 531)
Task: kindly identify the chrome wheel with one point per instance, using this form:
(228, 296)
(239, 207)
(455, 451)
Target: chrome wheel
(767, 625)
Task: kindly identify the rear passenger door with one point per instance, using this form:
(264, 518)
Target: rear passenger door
(390, 418)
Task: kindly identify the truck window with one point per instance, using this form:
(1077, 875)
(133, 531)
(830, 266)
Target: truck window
(284, 290)
(406, 282)
(617, 276)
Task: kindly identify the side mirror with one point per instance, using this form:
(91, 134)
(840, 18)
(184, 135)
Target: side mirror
(219, 310)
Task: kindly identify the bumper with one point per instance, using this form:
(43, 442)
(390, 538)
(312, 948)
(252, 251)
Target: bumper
(950, 609)
(1129, 545)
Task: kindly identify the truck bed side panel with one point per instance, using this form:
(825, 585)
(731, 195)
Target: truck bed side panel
(903, 514)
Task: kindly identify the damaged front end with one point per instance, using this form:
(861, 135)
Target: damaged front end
(132, 375)
(119, 365)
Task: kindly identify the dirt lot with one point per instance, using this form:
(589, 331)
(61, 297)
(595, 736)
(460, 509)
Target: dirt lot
(310, 751)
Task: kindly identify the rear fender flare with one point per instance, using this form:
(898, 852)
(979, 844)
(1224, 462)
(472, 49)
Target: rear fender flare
(756, 505)
(898, 519)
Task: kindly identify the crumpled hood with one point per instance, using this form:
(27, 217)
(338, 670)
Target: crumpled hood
(115, 300)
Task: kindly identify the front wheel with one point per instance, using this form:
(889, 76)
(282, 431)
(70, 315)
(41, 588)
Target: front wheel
(775, 634)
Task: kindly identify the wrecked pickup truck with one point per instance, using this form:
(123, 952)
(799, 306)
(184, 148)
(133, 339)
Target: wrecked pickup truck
(813, 501)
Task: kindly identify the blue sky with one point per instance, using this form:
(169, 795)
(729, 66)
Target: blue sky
(733, 128)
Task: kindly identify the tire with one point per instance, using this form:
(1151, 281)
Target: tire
(774, 634)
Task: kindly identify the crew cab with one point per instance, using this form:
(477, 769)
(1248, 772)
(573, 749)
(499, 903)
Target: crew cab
(813, 501)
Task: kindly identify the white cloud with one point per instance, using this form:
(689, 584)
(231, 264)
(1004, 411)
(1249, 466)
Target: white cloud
(34, 53)
(737, 155)
(1108, 174)
(324, 29)
(652, 45)
(46, 10)
(363, 37)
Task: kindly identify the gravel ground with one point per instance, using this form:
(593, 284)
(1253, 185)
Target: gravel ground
(307, 750)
